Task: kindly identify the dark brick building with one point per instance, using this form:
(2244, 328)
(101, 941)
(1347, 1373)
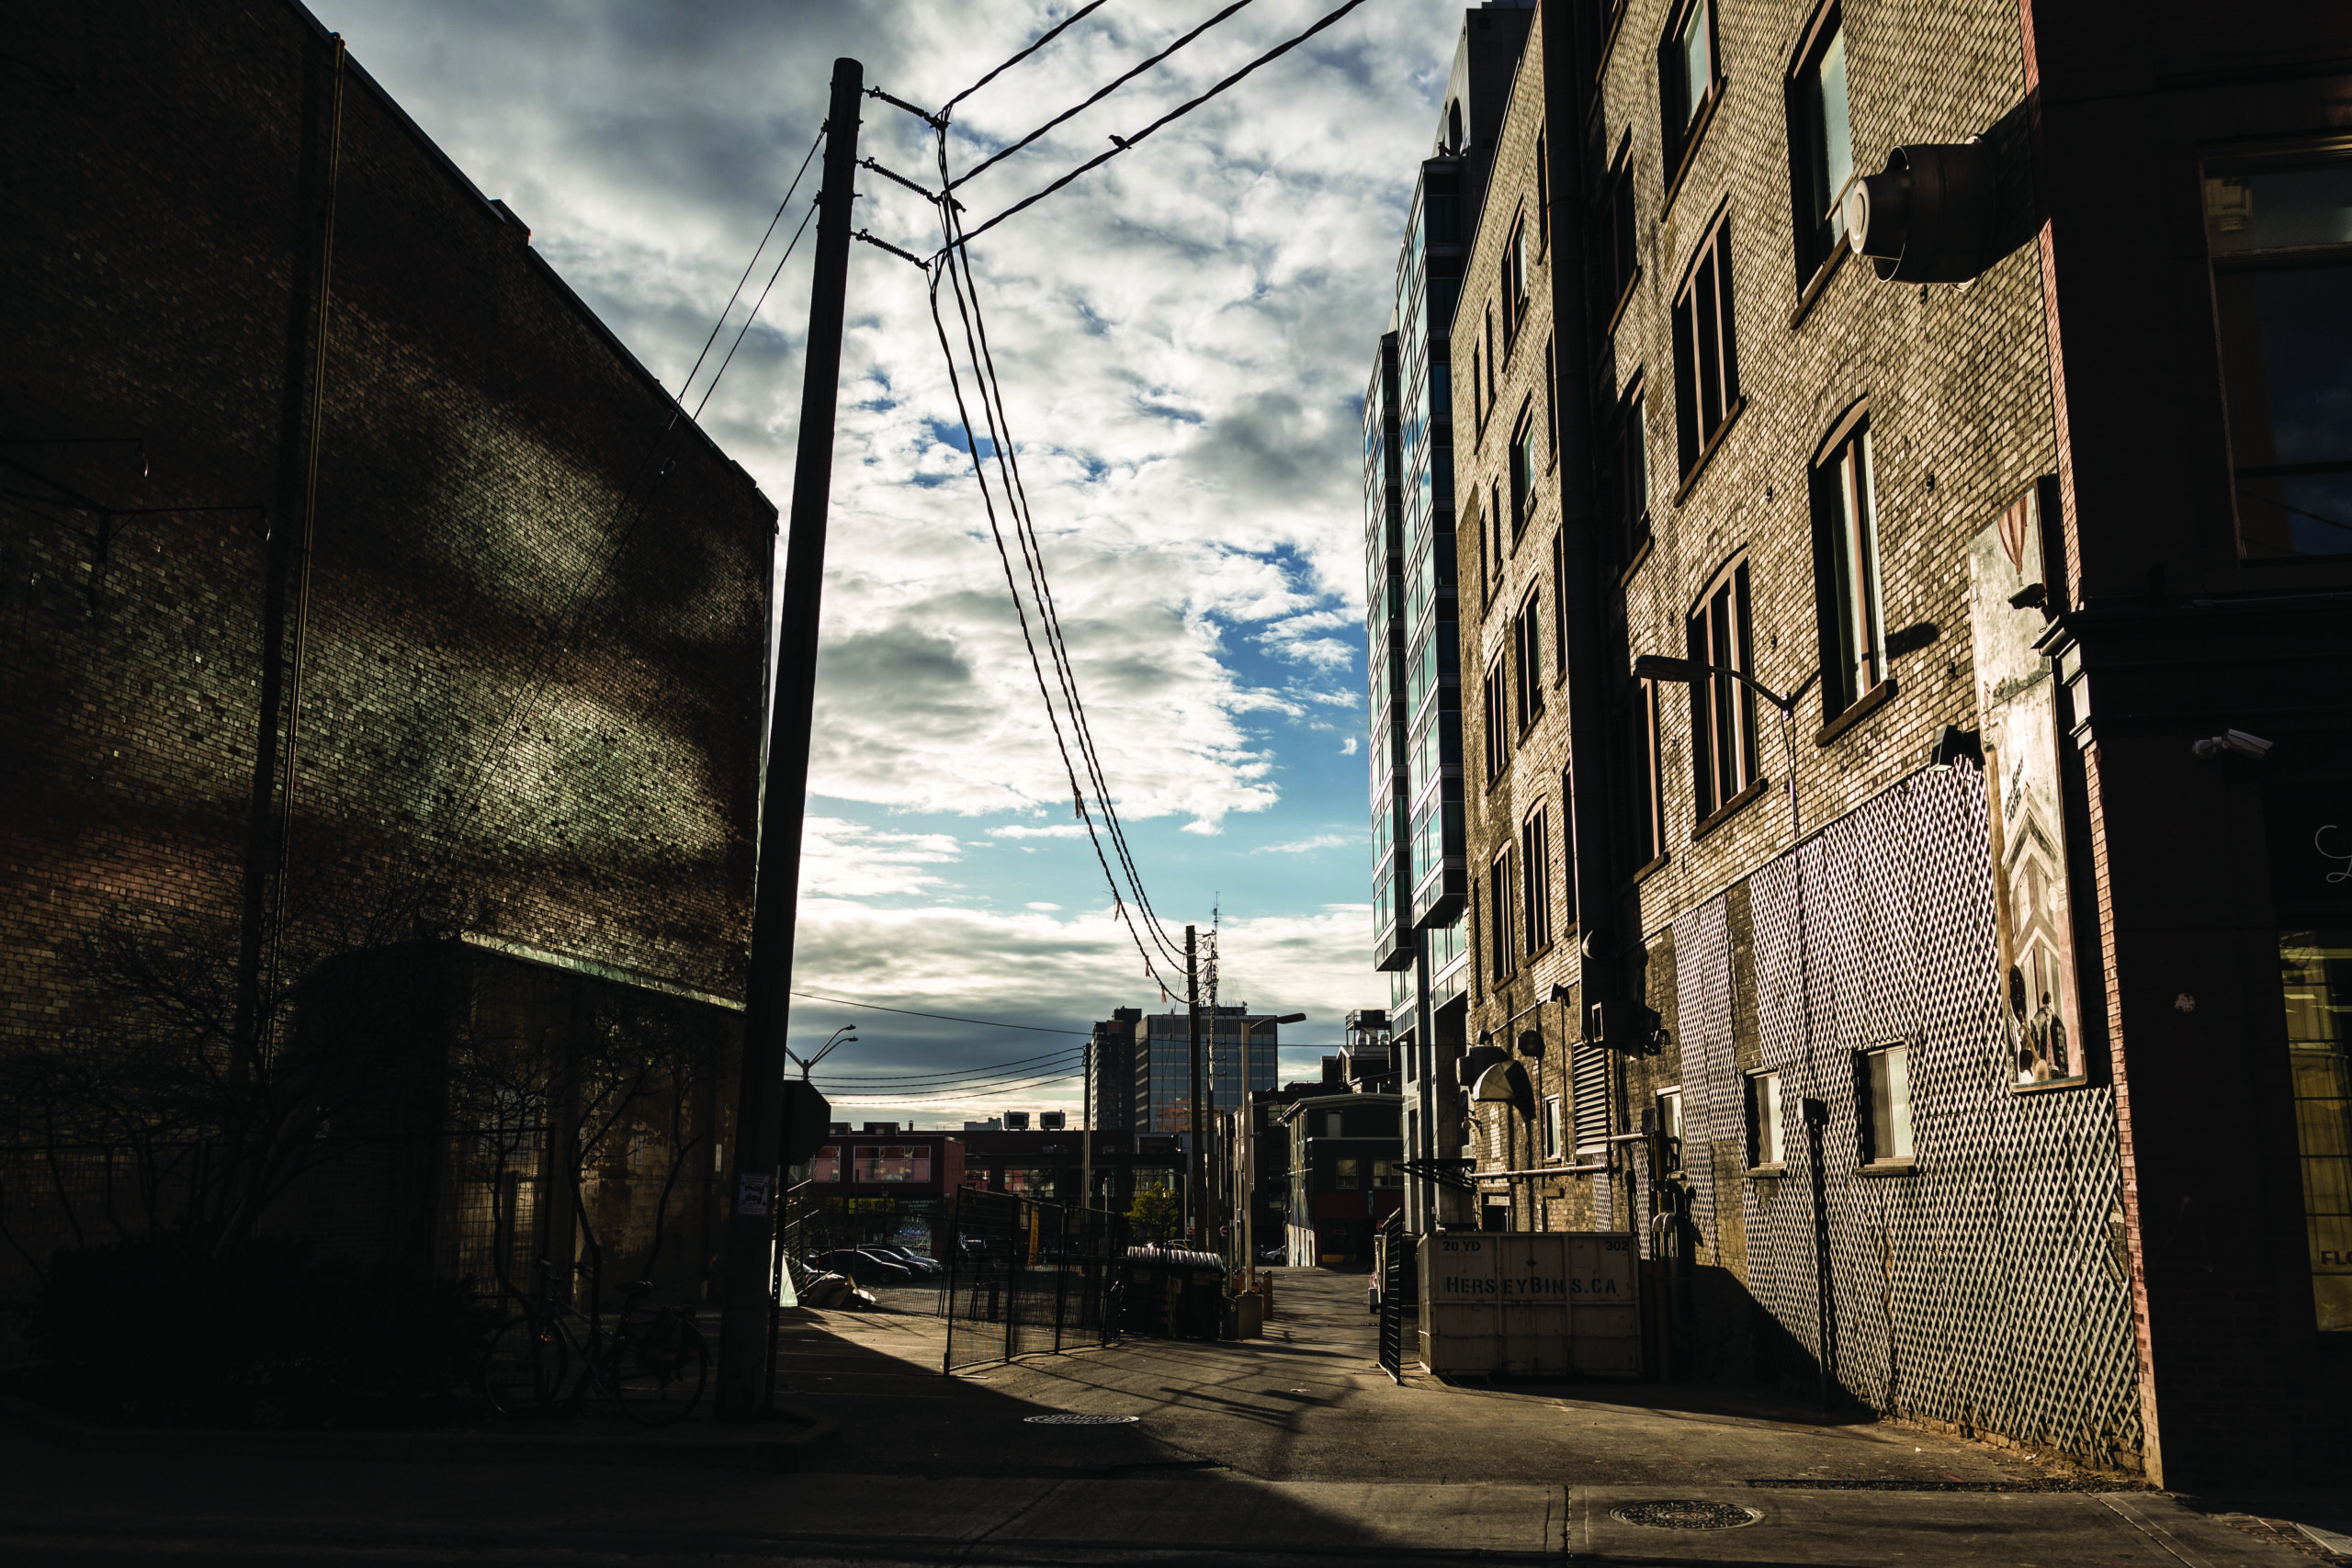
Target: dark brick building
(1969, 1035)
(368, 610)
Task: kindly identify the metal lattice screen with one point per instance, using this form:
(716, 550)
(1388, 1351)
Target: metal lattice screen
(1983, 1288)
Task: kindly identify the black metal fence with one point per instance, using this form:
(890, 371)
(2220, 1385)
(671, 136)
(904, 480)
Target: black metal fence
(1399, 1295)
(1024, 1276)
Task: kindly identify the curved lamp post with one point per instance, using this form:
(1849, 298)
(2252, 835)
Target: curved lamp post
(1658, 667)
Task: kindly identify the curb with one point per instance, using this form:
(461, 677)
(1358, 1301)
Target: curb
(786, 1443)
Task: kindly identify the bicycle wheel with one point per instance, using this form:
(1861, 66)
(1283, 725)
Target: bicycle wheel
(525, 1368)
(657, 1387)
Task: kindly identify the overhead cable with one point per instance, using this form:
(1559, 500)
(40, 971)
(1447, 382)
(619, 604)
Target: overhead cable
(1040, 42)
(1127, 144)
(1000, 154)
(1030, 1062)
(944, 1017)
(748, 265)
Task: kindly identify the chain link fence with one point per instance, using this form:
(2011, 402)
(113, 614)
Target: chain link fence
(1026, 1277)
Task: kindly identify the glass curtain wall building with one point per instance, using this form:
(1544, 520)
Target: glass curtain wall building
(1164, 1064)
(1419, 875)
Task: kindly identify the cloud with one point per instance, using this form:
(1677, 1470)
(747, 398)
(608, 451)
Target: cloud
(1052, 830)
(1042, 906)
(848, 859)
(1318, 843)
(1347, 747)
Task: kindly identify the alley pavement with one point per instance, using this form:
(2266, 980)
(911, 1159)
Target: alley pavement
(1291, 1448)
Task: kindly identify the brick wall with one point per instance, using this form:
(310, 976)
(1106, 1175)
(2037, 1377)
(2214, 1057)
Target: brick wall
(533, 638)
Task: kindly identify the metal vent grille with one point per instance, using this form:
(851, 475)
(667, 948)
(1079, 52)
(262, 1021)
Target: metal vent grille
(1977, 1288)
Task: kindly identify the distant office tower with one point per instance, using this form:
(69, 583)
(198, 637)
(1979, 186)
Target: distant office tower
(1163, 1092)
(1110, 1070)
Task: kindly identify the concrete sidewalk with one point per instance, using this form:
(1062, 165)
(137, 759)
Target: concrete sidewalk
(1292, 1449)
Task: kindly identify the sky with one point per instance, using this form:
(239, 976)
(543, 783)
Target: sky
(1183, 338)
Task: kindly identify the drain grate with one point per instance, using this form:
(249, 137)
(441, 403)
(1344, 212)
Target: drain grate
(1069, 1419)
(1686, 1514)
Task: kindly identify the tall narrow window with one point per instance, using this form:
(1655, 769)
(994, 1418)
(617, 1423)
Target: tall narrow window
(1766, 1147)
(1706, 348)
(1669, 1127)
(1846, 577)
(1521, 461)
(1647, 792)
(1559, 603)
(1543, 193)
(1497, 718)
(1552, 1127)
(1625, 479)
(1503, 957)
(1490, 358)
(2280, 235)
(1535, 878)
(1551, 403)
(1723, 708)
(1611, 240)
(1495, 529)
(1527, 637)
(1886, 1122)
(1821, 143)
(1689, 75)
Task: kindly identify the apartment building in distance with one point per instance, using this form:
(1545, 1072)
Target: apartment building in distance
(1163, 1063)
(1418, 871)
(1902, 496)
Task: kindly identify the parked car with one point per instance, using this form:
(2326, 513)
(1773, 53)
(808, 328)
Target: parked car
(912, 1259)
(867, 1268)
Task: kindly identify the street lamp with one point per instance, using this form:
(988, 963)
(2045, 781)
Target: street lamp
(1658, 667)
(1249, 1148)
(842, 1036)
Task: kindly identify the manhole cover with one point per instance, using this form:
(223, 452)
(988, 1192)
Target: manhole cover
(1686, 1514)
(1071, 1419)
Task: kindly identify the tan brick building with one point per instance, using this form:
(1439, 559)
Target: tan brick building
(1831, 960)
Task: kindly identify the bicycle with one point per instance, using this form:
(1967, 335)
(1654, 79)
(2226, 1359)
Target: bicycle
(652, 1361)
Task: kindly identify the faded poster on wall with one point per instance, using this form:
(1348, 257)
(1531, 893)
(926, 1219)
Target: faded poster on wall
(2018, 709)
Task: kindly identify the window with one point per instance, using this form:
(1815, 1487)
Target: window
(1887, 1129)
(1478, 386)
(1669, 1126)
(1543, 195)
(1385, 1174)
(2280, 234)
(2315, 968)
(1502, 959)
(1550, 404)
(1821, 144)
(1647, 795)
(1846, 579)
(1495, 530)
(1521, 461)
(1490, 357)
(1625, 479)
(1766, 1149)
(827, 1165)
(1559, 603)
(1498, 720)
(1347, 1172)
(1527, 637)
(1514, 280)
(1723, 710)
(1689, 76)
(1706, 355)
(1611, 239)
(893, 1162)
(1535, 878)
(1552, 1127)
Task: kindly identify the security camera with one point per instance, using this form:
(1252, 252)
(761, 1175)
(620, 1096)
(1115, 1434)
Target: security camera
(2236, 741)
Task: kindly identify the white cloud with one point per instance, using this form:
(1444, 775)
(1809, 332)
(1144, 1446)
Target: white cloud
(1042, 906)
(851, 860)
(1347, 747)
(1310, 846)
(1051, 831)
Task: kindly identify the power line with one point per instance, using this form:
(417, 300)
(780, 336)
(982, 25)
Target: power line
(1042, 39)
(946, 1017)
(1127, 144)
(1101, 93)
(998, 1092)
(958, 1076)
(754, 316)
(748, 265)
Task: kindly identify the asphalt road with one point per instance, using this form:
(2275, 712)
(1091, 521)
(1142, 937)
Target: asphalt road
(1293, 1448)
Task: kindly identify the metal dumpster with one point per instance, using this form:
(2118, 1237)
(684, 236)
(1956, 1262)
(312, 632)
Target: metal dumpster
(1531, 1303)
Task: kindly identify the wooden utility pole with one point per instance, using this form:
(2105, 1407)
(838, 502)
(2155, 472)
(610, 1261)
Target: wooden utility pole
(759, 1103)
(1196, 1193)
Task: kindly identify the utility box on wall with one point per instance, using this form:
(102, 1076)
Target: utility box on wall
(1531, 1303)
